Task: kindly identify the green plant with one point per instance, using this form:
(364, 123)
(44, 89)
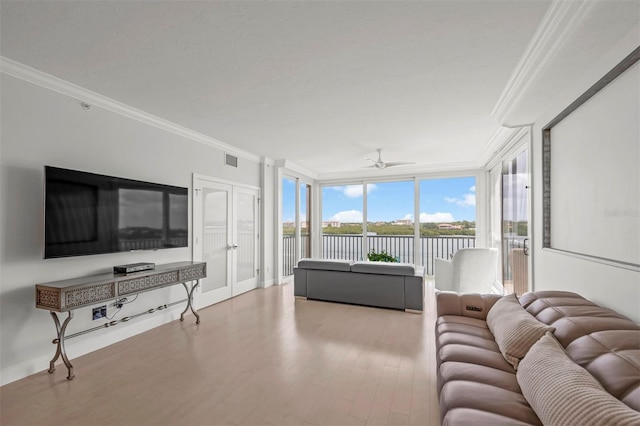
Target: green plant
(383, 256)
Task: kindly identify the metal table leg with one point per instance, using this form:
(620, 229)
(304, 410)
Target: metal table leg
(190, 301)
(60, 350)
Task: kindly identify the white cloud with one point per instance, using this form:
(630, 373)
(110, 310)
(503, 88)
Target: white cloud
(408, 216)
(473, 188)
(354, 191)
(467, 200)
(348, 216)
(438, 217)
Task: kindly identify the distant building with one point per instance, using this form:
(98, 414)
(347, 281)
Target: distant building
(448, 226)
(292, 224)
(331, 224)
(403, 222)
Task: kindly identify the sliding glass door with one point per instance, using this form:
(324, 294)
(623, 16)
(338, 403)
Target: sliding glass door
(515, 223)
(296, 222)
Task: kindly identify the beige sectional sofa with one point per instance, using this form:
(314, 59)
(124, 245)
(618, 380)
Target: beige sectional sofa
(582, 366)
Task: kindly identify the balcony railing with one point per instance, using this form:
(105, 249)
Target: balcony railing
(400, 246)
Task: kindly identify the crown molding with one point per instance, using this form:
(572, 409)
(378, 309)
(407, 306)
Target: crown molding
(557, 25)
(502, 137)
(507, 141)
(296, 169)
(47, 81)
(267, 161)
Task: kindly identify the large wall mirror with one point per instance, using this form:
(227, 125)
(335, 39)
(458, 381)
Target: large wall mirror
(591, 171)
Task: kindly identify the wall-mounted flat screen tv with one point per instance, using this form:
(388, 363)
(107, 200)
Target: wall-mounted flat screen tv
(87, 213)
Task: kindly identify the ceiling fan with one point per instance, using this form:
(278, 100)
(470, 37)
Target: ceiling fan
(379, 164)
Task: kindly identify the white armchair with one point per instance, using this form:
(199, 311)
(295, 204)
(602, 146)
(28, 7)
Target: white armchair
(471, 270)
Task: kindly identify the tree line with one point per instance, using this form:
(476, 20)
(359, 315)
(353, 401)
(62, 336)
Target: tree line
(426, 229)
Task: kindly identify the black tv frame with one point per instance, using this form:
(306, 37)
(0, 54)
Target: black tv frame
(93, 228)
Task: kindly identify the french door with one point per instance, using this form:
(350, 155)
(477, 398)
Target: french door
(225, 235)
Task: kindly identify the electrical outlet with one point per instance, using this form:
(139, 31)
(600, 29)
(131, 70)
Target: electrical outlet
(100, 312)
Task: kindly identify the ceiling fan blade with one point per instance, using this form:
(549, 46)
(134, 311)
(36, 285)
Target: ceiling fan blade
(379, 164)
(398, 163)
(375, 164)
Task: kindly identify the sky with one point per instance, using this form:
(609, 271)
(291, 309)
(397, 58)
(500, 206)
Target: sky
(441, 200)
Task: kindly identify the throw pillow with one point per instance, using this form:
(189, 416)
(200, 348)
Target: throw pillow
(514, 329)
(563, 393)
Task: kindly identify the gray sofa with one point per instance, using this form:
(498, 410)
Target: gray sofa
(592, 378)
(379, 284)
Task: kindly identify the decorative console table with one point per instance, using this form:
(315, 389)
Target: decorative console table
(67, 295)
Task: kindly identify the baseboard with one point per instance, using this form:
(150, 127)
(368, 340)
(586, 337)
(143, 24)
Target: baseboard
(413, 311)
(86, 344)
(267, 283)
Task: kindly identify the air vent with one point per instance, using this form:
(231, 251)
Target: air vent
(231, 160)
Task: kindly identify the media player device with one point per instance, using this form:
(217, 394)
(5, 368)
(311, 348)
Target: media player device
(133, 267)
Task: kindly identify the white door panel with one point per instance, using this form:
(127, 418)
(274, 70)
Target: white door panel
(225, 231)
(245, 240)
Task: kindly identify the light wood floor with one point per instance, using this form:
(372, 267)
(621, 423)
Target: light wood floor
(260, 358)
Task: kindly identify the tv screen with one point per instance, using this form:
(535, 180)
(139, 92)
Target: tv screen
(87, 213)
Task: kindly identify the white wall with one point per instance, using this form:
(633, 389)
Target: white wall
(604, 284)
(41, 127)
(609, 143)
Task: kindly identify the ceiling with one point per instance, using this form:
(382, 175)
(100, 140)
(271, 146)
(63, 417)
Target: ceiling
(320, 84)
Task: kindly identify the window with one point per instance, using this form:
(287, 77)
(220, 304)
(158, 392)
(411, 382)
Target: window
(386, 215)
(447, 217)
(390, 225)
(305, 220)
(296, 223)
(288, 225)
(342, 222)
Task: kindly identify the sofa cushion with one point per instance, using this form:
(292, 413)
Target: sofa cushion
(613, 358)
(602, 341)
(461, 340)
(515, 330)
(326, 264)
(453, 338)
(561, 392)
(453, 370)
(510, 407)
(474, 417)
(473, 355)
(383, 268)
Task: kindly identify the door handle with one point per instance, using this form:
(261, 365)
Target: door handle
(526, 249)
